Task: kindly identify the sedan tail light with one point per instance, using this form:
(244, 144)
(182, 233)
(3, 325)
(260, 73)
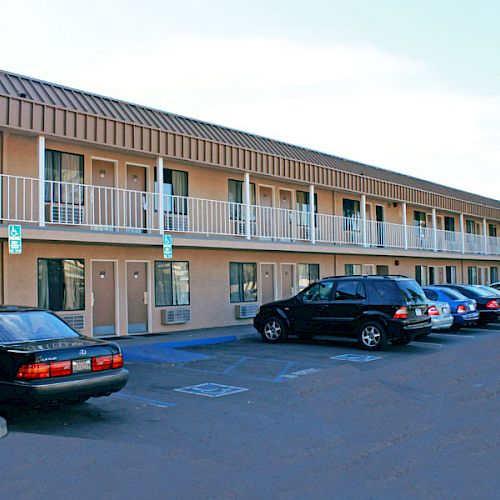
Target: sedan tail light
(39, 370)
(433, 311)
(117, 361)
(102, 363)
(461, 309)
(60, 368)
(401, 313)
(492, 304)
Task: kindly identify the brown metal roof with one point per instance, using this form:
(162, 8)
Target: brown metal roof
(77, 100)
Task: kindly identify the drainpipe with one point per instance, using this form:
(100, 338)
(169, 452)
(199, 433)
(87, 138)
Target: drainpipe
(41, 181)
(405, 227)
(312, 221)
(161, 208)
(248, 228)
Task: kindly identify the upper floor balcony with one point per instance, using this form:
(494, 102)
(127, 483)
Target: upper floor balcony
(88, 207)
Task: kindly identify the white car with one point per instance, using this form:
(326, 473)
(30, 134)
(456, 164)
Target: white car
(440, 314)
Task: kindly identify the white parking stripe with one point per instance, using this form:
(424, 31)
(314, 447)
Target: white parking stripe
(433, 344)
(455, 335)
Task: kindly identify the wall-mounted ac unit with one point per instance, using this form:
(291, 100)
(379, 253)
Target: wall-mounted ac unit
(175, 316)
(176, 222)
(76, 321)
(246, 311)
(66, 214)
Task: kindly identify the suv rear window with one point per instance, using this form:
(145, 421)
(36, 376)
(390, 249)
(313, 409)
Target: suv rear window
(412, 292)
(400, 292)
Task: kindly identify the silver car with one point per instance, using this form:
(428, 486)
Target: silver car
(440, 314)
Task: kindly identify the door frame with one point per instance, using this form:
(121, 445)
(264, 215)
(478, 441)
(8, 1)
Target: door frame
(292, 191)
(273, 194)
(294, 274)
(117, 296)
(148, 290)
(109, 160)
(275, 279)
(150, 212)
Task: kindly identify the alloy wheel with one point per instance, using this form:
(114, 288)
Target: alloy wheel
(273, 330)
(370, 336)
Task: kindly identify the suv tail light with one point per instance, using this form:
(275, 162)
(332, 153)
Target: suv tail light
(461, 309)
(492, 304)
(401, 313)
(433, 311)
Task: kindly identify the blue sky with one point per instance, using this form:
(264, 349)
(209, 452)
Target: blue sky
(410, 86)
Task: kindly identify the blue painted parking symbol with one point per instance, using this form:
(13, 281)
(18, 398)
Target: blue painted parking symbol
(357, 358)
(211, 390)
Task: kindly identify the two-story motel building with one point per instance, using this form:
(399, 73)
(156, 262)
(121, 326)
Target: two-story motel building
(96, 182)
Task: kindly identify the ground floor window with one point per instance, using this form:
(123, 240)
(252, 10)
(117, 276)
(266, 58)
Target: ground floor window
(472, 275)
(171, 283)
(421, 275)
(61, 284)
(451, 274)
(308, 273)
(493, 274)
(243, 282)
(353, 269)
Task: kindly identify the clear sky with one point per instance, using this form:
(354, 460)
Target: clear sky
(412, 86)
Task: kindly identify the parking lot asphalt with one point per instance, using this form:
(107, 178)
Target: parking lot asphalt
(419, 421)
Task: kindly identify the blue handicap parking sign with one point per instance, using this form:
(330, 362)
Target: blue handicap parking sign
(15, 241)
(14, 230)
(167, 246)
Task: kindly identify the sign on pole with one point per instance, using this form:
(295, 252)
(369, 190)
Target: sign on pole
(167, 246)
(15, 239)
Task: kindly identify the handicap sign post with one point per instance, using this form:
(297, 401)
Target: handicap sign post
(167, 246)
(15, 239)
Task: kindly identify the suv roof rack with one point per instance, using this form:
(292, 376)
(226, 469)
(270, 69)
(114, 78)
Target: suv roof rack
(366, 276)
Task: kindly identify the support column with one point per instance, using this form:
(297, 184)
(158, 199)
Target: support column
(485, 236)
(363, 220)
(246, 186)
(462, 232)
(312, 220)
(41, 181)
(405, 226)
(161, 201)
(434, 230)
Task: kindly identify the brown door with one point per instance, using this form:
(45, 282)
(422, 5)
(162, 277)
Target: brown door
(285, 216)
(137, 289)
(266, 217)
(287, 281)
(103, 298)
(267, 280)
(103, 198)
(135, 202)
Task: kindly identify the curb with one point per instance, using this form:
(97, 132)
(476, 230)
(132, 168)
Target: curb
(3, 427)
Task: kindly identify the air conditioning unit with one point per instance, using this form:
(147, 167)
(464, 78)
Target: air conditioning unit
(175, 316)
(75, 321)
(176, 222)
(66, 214)
(246, 311)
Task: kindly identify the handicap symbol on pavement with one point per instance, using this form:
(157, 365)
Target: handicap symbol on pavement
(357, 358)
(211, 390)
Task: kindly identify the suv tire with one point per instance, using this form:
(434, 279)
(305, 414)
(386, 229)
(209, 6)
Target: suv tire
(273, 330)
(372, 336)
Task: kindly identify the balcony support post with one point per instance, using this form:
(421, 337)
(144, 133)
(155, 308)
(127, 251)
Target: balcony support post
(462, 232)
(248, 227)
(405, 227)
(363, 220)
(312, 221)
(41, 181)
(434, 230)
(161, 207)
(485, 236)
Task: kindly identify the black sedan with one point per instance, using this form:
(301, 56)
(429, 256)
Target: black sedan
(488, 303)
(42, 360)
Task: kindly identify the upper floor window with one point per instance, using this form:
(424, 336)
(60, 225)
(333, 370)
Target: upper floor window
(63, 168)
(235, 192)
(470, 226)
(449, 224)
(61, 284)
(492, 230)
(175, 183)
(351, 208)
(419, 218)
(302, 198)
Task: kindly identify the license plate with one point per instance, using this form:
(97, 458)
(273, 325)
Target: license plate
(471, 307)
(418, 312)
(81, 365)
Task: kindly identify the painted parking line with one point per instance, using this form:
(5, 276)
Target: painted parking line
(235, 365)
(149, 401)
(211, 390)
(455, 335)
(432, 344)
(301, 373)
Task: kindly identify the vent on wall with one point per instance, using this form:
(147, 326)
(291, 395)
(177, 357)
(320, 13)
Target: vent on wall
(246, 311)
(175, 316)
(65, 214)
(76, 321)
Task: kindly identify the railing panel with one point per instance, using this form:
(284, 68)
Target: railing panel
(449, 241)
(474, 243)
(420, 238)
(19, 199)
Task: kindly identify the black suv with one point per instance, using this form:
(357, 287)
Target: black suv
(373, 309)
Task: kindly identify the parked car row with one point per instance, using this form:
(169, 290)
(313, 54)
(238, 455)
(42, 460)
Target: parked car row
(376, 310)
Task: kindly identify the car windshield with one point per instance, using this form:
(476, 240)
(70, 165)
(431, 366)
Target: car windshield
(453, 294)
(32, 326)
(412, 292)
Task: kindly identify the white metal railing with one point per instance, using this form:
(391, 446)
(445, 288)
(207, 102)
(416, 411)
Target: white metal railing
(100, 208)
(116, 209)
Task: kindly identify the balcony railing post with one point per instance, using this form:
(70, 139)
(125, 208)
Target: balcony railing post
(363, 220)
(161, 208)
(434, 230)
(405, 227)
(485, 236)
(41, 181)
(248, 226)
(312, 225)
(462, 232)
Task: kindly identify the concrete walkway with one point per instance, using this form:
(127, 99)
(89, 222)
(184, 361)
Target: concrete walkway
(202, 336)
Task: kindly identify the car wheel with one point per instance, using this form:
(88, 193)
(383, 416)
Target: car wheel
(274, 331)
(372, 336)
(400, 341)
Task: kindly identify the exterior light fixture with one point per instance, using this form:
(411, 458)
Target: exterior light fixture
(102, 274)
(102, 173)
